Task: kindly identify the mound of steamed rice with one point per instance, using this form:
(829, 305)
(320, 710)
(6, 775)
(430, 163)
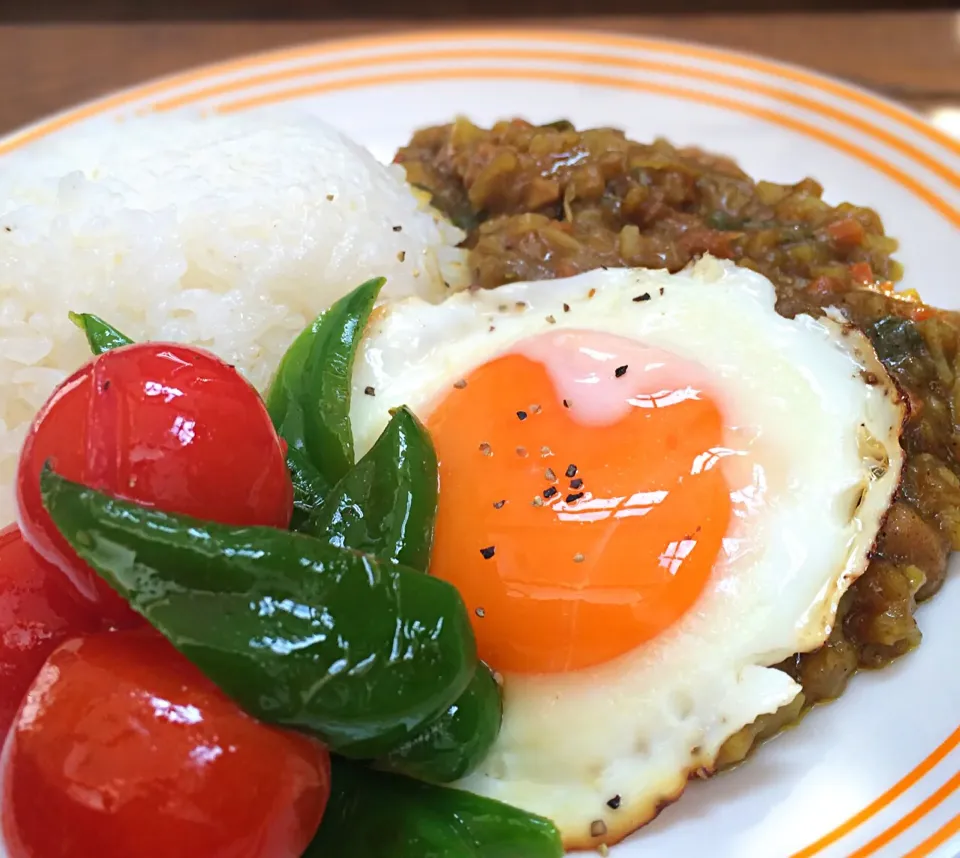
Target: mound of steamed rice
(230, 233)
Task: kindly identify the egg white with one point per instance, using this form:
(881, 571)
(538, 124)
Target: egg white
(827, 444)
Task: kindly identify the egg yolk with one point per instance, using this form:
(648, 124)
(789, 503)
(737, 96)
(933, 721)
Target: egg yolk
(580, 512)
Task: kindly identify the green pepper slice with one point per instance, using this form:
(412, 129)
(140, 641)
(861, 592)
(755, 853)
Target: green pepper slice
(358, 652)
(309, 398)
(378, 815)
(101, 336)
(457, 742)
(386, 505)
(309, 488)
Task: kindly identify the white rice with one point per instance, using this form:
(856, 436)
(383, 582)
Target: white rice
(230, 233)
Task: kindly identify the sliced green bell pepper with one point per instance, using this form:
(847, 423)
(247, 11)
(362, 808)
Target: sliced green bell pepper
(386, 505)
(101, 337)
(457, 742)
(358, 652)
(378, 815)
(309, 398)
(309, 488)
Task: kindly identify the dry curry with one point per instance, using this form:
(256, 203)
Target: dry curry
(548, 201)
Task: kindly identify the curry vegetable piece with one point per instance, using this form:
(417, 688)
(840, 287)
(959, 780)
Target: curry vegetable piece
(358, 652)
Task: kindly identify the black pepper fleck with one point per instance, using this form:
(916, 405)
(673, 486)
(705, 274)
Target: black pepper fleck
(370, 391)
(661, 290)
(574, 497)
(566, 308)
(488, 552)
(486, 449)
(549, 492)
(522, 415)
(644, 297)
(614, 802)
(566, 403)
(398, 228)
(499, 504)
(576, 484)
(106, 385)
(461, 384)
(571, 471)
(620, 371)
(522, 452)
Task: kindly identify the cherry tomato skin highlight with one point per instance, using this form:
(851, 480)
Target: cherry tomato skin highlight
(123, 748)
(39, 609)
(165, 425)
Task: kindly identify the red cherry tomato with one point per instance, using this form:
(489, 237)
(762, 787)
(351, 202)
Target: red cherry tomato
(166, 425)
(123, 748)
(39, 609)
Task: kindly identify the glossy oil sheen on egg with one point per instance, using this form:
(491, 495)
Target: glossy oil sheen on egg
(580, 471)
(600, 700)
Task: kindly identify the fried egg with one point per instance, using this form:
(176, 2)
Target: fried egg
(652, 488)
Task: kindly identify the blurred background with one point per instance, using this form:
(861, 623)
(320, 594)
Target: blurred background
(55, 53)
(304, 9)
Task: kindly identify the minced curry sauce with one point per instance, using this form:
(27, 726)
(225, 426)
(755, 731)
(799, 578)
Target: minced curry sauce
(539, 202)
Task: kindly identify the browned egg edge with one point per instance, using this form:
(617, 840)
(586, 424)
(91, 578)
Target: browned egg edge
(613, 827)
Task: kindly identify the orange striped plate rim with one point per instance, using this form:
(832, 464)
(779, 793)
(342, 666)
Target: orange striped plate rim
(828, 111)
(951, 213)
(938, 838)
(596, 39)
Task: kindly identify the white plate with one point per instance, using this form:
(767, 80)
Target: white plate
(877, 773)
